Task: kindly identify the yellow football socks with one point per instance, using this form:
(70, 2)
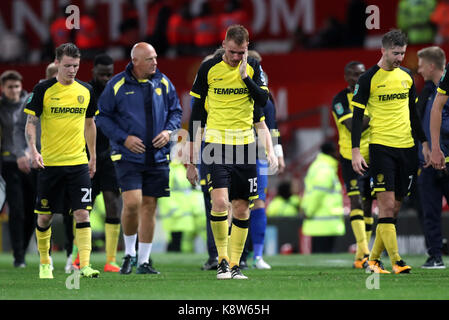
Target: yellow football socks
(43, 236)
(83, 237)
(112, 233)
(387, 230)
(239, 233)
(220, 227)
(368, 228)
(358, 228)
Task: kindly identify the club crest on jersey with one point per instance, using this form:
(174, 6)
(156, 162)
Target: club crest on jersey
(356, 89)
(80, 99)
(44, 203)
(380, 177)
(158, 91)
(339, 109)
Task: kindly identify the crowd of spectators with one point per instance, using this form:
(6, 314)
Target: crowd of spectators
(177, 28)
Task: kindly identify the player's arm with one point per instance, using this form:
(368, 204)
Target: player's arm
(256, 86)
(270, 119)
(90, 134)
(33, 109)
(415, 124)
(197, 121)
(264, 137)
(343, 113)
(437, 159)
(359, 101)
(365, 123)
(30, 134)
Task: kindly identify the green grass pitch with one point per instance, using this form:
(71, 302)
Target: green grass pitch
(293, 277)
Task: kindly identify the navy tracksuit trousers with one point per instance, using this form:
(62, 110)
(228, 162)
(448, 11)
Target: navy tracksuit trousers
(433, 185)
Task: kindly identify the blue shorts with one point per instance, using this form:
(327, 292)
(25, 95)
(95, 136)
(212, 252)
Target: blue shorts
(262, 179)
(152, 180)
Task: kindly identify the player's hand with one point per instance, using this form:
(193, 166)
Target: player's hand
(243, 65)
(437, 159)
(24, 164)
(272, 163)
(426, 154)
(161, 139)
(92, 167)
(36, 161)
(134, 144)
(281, 166)
(358, 162)
(192, 174)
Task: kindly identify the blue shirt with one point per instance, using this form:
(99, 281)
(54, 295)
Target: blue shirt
(425, 121)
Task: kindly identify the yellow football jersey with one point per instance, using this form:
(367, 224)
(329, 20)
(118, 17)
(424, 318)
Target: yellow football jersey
(386, 95)
(62, 110)
(342, 110)
(229, 105)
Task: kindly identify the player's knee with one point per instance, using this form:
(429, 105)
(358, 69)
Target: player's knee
(220, 204)
(240, 209)
(81, 215)
(131, 208)
(258, 204)
(44, 220)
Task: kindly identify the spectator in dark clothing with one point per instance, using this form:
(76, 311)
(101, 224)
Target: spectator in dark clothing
(20, 189)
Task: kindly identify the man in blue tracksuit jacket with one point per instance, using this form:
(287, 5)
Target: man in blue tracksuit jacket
(138, 110)
(432, 184)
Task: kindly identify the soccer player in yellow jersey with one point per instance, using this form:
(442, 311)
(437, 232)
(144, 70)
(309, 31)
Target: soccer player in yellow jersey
(66, 107)
(387, 91)
(357, 187)
(229, 93)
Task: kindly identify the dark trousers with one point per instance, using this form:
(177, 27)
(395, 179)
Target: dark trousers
(20, 196)
(433, 185)
(323, 244)
(211, 248)
(176, 242)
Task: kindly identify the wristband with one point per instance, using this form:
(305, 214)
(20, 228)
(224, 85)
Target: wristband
(278, 151)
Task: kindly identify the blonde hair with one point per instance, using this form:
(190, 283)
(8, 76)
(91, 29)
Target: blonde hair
(433, 55)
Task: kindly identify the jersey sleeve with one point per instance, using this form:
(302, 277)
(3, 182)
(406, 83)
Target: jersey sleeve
(200, 85)
(340, 107)
(258, 115)
(362, 91)
(258, 76)
(35, 103)
(92, 107)
(443, 87)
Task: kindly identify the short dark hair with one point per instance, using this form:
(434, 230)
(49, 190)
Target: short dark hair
(394, 38)
(103, 59)
(352, 64)
(67, 49)
(284, 189)
(433, 55)
(10, 75)
(328, 147)
(237, 33)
